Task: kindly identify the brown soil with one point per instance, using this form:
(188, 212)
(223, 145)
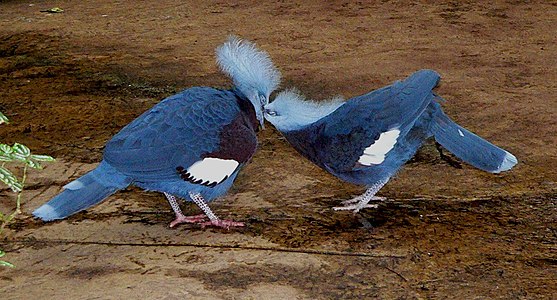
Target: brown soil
(69, 81)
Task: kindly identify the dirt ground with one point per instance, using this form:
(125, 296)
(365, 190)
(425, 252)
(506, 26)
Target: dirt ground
(71, 80)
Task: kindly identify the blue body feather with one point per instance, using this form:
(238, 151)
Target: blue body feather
(191, 143)
(175, 132)
(407, 109)
(179, 131)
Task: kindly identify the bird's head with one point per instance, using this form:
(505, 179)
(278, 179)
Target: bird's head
(291, 111)
(251, 70)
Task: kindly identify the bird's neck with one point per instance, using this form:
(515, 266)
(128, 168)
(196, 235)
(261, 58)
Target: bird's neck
(247, 110)
(309, 112)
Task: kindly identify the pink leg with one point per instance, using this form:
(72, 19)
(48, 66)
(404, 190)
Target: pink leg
(189, 219)
(213, 219)
(180, 218)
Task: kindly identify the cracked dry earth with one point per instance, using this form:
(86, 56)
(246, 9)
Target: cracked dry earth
(69, 81)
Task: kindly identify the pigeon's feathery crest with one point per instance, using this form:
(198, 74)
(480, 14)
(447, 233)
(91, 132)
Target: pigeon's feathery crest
(251, 70)
(294, 111)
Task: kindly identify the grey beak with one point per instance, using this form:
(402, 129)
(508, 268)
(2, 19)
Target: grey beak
(261, 119)
(260, 116)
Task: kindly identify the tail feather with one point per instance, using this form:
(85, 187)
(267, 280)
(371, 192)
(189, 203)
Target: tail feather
(425, 79)
(469, 147)
(82, 193)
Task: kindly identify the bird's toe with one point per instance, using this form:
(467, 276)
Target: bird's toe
(227, 224)
(190, 219)
(355, 207)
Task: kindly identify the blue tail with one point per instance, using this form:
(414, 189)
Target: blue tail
(84, 192)
(425, 79)
(469, 147)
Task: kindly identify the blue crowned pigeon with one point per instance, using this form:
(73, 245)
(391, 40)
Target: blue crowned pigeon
(366, 139)
(190, 145)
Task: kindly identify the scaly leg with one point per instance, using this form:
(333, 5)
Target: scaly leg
(363, 200)
(180, 218)
(214, 220)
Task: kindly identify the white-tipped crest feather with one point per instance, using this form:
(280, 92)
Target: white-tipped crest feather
(291, 111)
(251, 69)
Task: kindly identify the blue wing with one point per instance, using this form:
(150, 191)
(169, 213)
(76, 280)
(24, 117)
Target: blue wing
(176, 132)
(343, 135)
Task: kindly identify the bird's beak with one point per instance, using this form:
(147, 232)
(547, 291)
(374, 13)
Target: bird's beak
(263, 101)
(261, 118)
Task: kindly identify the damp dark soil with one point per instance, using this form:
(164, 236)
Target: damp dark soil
(70, 80)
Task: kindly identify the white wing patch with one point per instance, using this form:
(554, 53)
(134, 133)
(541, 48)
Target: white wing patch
(211, 171)
(460, 132)
(375, 154)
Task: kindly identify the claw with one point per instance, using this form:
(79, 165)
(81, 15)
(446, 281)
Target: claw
(355, 207)
(359, 198)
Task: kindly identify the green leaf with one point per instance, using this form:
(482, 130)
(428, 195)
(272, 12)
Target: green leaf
(5, 157)
(6, 264)
(34, 164)
(19, 157)
(7, 174)
(6, 149)
(21, 149)
(53, 10)
(42, 157)
(3, 119)
(17, 187)
(8, 178)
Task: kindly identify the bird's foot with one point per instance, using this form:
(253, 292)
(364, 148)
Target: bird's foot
(362, 201)
(360, 198)
(222, 223)
(355, 207)
(180, 219)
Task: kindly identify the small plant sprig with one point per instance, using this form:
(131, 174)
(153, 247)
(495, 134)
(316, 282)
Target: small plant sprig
(17, 154)
(5, 263)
